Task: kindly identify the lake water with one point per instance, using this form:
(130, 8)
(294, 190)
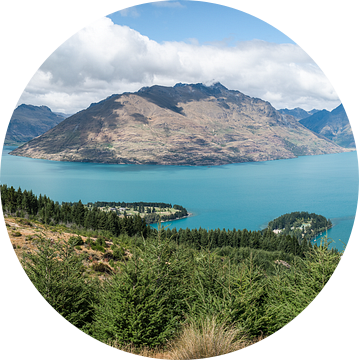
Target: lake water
(246, 195)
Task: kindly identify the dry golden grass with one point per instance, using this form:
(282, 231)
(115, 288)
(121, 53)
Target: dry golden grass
(206, 339)
(24, 235)
(196, 341)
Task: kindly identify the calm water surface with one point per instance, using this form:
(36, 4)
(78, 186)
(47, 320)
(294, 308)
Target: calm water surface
(238, 196)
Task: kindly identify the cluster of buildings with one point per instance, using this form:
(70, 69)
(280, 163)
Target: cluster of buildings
(119, 209)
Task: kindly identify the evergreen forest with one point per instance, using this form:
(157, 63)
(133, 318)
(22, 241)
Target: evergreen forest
(150, 286)
(42, 208)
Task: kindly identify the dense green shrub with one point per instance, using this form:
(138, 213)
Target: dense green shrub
(76, 240)
(233, 293)
(163, 287)
(290, 292)
(97, 247)
(118, 253)
(57, 272)
(262, 259)
(142, 304)
(100, 241)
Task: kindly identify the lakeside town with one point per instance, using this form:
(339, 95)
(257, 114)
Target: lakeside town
(151, 212)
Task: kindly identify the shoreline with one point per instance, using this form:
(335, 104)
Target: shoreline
(95, 161)
(168, 221)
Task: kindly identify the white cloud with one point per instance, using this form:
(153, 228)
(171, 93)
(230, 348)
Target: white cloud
(172, 4)
(105, 58)
(130, 12)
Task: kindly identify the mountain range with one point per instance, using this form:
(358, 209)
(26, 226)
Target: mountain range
(188, 124)
(29, 121)
(298, 113)
(334, 125)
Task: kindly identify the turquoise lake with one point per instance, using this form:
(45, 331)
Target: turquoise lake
(246, 195)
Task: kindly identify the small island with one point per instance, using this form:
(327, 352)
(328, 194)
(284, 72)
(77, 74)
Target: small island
(302, 225)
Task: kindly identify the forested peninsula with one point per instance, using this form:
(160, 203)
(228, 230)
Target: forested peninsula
(151, 212)
(302, 225)
(119, 218)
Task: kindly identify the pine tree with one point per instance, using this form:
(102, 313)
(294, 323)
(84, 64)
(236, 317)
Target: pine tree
(289, 292)
(18, 198)
(196, 236)
(11, 200)
(204, 238)
(79, 213)
(140, 227)
(65, 213)
(255, 241)
(236, 238)
(57, 273)
(188, 236)
(222, 238)
(112, 223)
(244, 238)
(101, 220)
(304, 247)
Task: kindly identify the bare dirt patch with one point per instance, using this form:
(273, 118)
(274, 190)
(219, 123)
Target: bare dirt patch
(24, 236)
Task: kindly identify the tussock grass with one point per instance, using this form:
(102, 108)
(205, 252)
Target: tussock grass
(206, 338)
(198, 339)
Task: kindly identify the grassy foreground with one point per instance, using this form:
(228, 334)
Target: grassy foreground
(156, 298)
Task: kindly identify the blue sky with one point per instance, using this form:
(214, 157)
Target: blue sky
(165, 43)
(205, 22)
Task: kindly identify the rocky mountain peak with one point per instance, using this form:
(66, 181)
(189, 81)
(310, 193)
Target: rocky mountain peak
(214, 88)
(187, 124)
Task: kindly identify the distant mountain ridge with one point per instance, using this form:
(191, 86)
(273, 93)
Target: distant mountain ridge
(188, 124)
(334, 125)
(29, 121)
(298, 113)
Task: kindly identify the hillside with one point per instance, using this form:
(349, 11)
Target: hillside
(100, 280)
(334, 125)
(29, 121)
(180, 125)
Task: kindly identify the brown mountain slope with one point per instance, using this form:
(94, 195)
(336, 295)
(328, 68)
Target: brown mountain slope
(180, 125)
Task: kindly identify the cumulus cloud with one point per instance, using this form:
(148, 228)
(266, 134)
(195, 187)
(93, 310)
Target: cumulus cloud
(105, 58)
